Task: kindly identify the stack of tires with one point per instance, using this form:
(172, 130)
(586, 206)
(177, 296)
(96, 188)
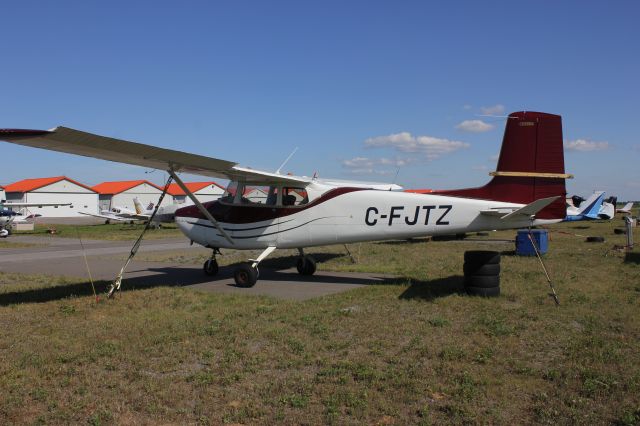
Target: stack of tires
(482, 273)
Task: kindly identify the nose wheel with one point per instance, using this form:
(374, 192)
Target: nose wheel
(247, 274)
(210, 267)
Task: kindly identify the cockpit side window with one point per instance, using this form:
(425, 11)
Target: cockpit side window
(294, 196)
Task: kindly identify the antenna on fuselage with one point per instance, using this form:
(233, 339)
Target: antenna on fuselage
(285, 161)
(395, 178)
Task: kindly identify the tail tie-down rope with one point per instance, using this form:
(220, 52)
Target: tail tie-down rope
(544, 268)
(115, 286)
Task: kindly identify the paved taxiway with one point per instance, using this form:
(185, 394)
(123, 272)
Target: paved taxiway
(61, 256)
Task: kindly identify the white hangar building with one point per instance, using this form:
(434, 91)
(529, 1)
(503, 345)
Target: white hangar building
(122, 193)
(204, 191)
(59, 189)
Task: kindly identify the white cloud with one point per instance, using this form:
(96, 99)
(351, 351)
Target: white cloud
(466, 106)
(585, 145)
(481, 168)
(474, 126)
(378, 166)
(493, 110)
(428, 146)
(494, 157)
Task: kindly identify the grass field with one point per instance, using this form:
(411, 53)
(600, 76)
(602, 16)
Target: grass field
(415, 351)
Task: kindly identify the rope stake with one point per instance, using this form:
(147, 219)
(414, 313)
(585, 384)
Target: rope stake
(117, 282)
(544, 268)
(86, 263)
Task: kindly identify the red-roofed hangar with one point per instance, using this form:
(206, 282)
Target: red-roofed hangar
(205, 191)
(122, 193)
(58, 189)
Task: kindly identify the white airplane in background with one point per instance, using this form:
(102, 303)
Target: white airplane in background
(124, 214)
(527, 189)
(587, 210)
(9, 216)
(593, 208)
(626, 209)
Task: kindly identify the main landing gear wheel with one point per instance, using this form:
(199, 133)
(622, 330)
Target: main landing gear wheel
(245, 275)
(210, 267)
(306, 265)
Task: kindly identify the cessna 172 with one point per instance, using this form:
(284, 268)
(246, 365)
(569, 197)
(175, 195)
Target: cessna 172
(528, 188)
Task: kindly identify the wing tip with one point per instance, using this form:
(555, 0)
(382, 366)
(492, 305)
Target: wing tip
(22, 133)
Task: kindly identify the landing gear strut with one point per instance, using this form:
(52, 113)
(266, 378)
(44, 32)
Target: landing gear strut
(306, 264)
(210, 267)
(247, 274)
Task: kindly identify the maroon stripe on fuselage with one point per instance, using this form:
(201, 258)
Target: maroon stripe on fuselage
(241, 214)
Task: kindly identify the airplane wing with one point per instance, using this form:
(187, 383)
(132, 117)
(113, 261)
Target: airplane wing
(64, 139)
(104, 216)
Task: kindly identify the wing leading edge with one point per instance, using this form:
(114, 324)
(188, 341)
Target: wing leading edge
(71, 141)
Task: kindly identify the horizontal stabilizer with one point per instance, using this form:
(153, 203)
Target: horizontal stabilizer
(530, 209)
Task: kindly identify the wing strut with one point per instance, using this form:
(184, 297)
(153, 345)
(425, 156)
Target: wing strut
(197, 202)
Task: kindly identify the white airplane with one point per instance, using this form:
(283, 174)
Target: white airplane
(9, 216)
(124, 214)
(626, 209)
(593, 208)
(588, 209)
(528, 188)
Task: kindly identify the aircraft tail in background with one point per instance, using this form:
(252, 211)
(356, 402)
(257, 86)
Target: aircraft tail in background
(626, 209)
(591, 206)
(588, 210)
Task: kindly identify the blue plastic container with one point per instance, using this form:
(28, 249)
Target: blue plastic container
(523, 243)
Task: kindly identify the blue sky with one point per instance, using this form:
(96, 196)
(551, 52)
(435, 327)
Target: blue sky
(249, 81)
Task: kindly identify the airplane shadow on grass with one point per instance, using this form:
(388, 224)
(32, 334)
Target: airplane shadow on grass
(275, 270)
(434, 289)
(168, 277)
(180, 277)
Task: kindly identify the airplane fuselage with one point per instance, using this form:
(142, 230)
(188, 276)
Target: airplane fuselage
(343, 215)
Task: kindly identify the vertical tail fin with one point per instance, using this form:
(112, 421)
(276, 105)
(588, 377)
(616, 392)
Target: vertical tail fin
(530, 166)
(591, 205)
(138, 205)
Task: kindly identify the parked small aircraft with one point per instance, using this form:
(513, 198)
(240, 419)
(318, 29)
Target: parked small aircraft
(124, 214)
(593, 208)
(626, 209)
(9, 216)
(528, 188)
(587, 209)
